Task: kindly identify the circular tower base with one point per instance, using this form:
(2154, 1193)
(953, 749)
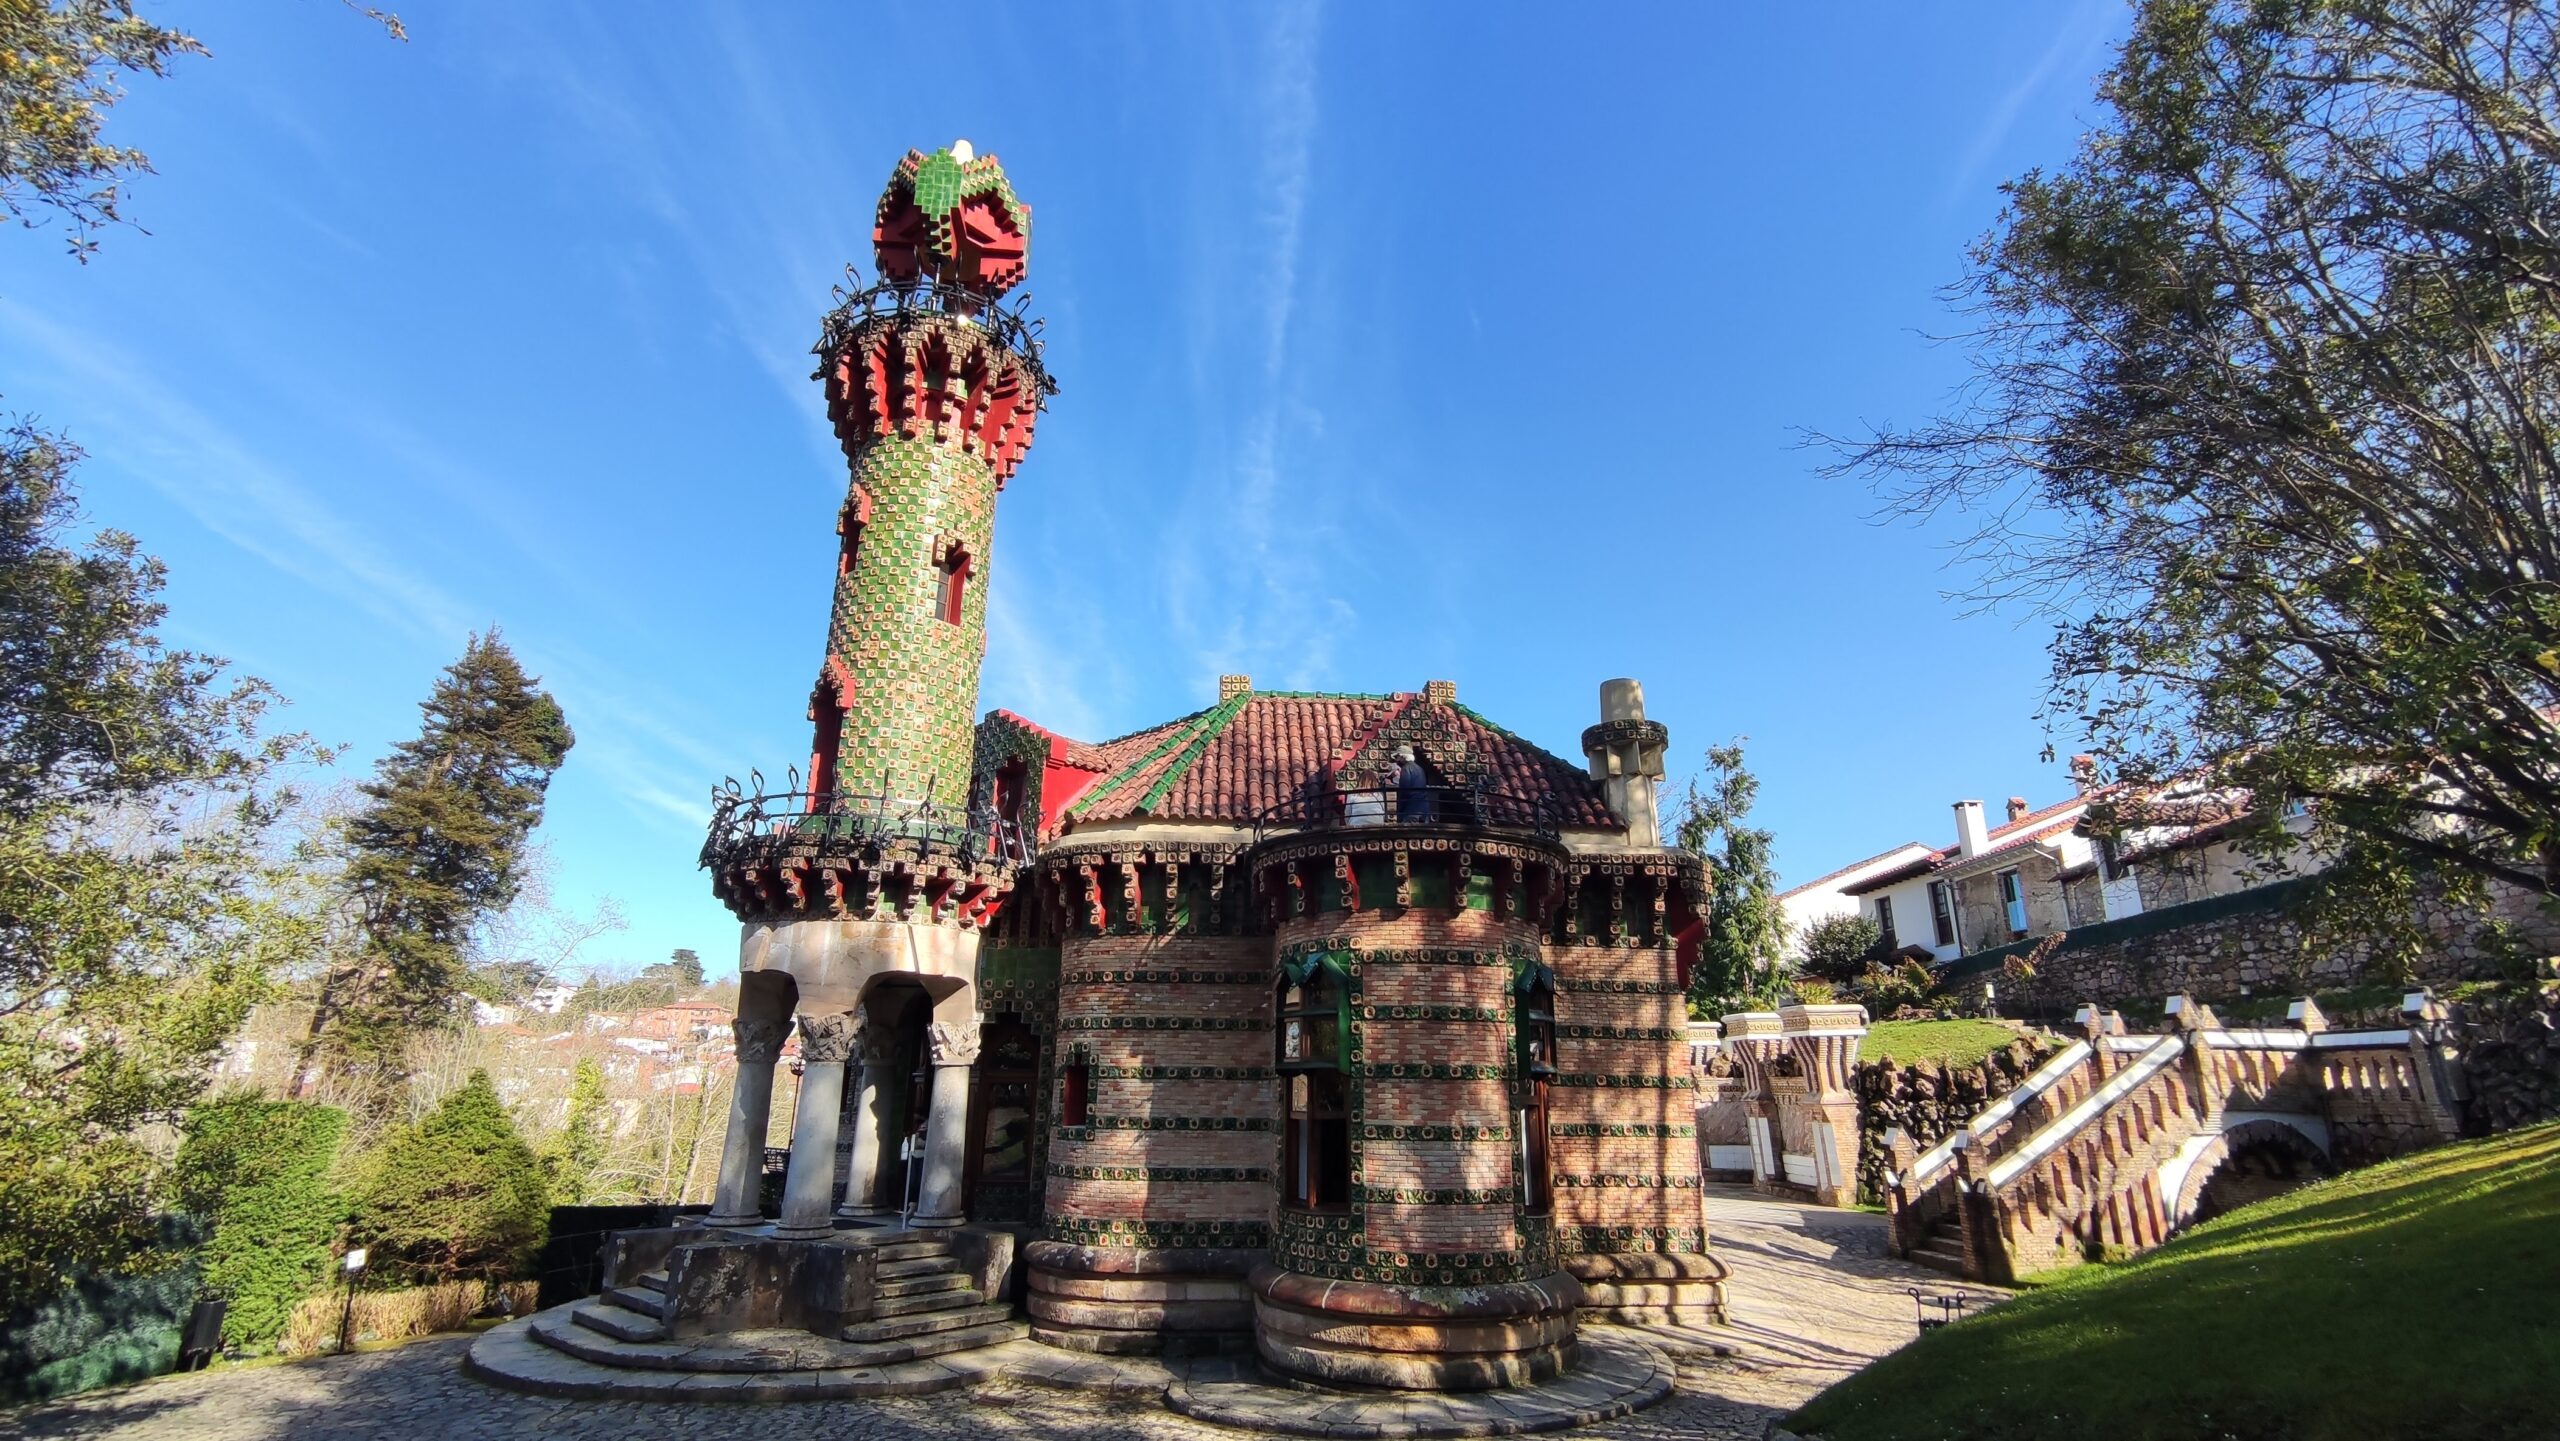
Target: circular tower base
(1418, 1338)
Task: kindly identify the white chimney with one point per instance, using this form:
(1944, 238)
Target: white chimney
(1971, 837)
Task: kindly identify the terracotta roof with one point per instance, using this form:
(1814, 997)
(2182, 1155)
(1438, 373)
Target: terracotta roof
(1245, 755)
(2034, 826)
(1919, 866)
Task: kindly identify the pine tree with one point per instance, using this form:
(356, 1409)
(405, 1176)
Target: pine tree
(438, 848)
(1745, 944)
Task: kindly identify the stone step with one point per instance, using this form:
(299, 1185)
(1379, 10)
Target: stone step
(1949, 1260)
(921, 1266)
(654, 1280)
(640, 1299)
(940, 1343)
(607, 1319)
(926, 1323)
(914, 1250)
(929, 1301)
(922, 1285)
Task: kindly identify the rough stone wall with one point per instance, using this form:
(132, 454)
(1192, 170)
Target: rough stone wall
(1622, 1115)
(2258, 950)
(2509, 1049)
(1929, 1102)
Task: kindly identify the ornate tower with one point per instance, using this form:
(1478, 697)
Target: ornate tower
(863, 893)
(933, 390)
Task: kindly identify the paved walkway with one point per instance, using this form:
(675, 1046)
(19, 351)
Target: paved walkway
(1814, 1298)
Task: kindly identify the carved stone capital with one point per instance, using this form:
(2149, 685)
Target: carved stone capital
(827, 1039)
(954, 1043)
(759, 1042)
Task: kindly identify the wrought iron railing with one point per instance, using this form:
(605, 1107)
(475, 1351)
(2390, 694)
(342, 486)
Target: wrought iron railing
(1009, 320)
(747, 819)
(1472, 806)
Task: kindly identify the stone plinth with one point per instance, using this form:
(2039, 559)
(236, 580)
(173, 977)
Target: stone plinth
(1424, 1338)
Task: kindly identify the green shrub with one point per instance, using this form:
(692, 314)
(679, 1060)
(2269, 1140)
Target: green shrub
(457, 1196)
(1838, 948)
(258, 1172)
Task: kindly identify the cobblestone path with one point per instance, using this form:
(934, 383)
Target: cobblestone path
(1814, 1298)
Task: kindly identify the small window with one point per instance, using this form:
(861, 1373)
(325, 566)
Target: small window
(1311, 1023)
(2013, 899)
(826, 714)
(1316, 1152)
(954, 587)
(1942, 912)
(1884, 923)
(1536, 1022)
(1318, 1159)
(1075, 1093)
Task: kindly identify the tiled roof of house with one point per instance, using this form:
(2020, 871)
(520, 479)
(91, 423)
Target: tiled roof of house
(2036, 825)
(1240, 758)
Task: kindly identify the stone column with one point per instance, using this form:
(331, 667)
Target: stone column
(808, 1192)
(878, 1051)
(955, 1050)
(759, 1044)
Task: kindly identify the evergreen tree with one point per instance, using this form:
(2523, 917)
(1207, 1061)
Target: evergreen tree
(1839, 948)
(1739, 959)
(437, 849)
(146, 893)
(570, 1161)
(686, 968)
(457, 1196)
(258, 1172)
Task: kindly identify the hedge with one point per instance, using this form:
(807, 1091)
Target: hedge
(259, 1172)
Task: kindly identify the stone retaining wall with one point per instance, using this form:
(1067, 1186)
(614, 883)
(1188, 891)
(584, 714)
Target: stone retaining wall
(1929, 1102)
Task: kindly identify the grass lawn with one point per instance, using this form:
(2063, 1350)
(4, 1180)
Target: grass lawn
(1957, 1043)
(2420, 1298)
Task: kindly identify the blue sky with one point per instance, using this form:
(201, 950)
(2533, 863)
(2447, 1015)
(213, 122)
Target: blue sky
(1398, 342)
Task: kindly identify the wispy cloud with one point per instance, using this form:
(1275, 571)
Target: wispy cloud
(199, 465)
(2074, 46)
(1253, 600)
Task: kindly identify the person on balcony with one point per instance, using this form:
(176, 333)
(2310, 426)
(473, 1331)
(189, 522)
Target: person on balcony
(1413, 788)
(1367, 805)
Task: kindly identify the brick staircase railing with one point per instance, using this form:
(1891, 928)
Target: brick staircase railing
(2110, 1145)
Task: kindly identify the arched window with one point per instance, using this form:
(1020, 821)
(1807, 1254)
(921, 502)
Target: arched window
(1534, 1019)
(953, 590)
(1316, 1156)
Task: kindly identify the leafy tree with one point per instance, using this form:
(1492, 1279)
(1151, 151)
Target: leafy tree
(457, 1196)
(1838, 948)
(2263, 417)
(573, 1157)
(146, 888)
(259, 1172)
(59, 67)
(683, 967)
(437, 849)
(61, 64)
(1739, 959)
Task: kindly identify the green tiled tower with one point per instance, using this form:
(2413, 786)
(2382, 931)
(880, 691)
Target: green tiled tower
(933, 388)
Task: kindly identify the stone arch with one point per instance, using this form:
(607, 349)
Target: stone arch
(2247, 1161)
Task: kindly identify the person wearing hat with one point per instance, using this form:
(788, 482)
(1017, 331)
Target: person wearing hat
(1413, 787)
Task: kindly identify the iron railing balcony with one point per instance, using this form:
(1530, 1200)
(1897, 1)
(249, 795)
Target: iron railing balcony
(1008, 319)
(746, 825)
(1471, 807)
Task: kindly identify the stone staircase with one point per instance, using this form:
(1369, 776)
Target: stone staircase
(925, 1307)
(1942, 1247)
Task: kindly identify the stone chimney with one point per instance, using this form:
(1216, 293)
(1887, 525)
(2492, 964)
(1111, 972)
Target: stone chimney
(2018, 809)
(2084, 773)
(1625, 754)
(1440, 692)
(1231, 686)
(1971, 836)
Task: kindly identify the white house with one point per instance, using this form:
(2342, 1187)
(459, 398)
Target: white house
(1823, 897)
